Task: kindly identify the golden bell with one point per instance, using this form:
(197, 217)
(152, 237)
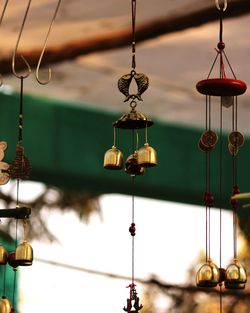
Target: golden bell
(208, 275)
(24, 254)
(113, 159)
(236, 276)
(147, 156)
(3, 255)
(5, 306)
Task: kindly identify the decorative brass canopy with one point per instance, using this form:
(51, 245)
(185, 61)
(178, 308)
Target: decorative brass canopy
(133, 120)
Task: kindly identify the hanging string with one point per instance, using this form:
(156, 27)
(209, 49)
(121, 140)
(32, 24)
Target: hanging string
(133, 33)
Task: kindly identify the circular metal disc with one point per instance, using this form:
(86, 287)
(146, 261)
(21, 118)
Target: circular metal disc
(221, 87)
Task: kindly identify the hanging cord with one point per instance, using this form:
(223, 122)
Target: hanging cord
(133, 33)
(15, 272)
(4, 280)
(20, 127)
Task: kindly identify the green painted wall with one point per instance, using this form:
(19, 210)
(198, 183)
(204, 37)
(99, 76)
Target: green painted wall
(66, 142)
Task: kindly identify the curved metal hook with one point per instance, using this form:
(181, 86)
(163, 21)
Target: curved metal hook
(219, 7)
(16, 47)
(1, 19)
(45, 82)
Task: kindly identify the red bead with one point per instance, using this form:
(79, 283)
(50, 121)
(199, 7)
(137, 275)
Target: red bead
(208, 199)
(221, 46)
(132, 229)
(236, 190)
(233, 203)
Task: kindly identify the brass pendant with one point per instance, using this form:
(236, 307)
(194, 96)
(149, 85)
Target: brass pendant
(133, 120)
(132, 167)
(20, 167)
(142, 83)
(4, 175)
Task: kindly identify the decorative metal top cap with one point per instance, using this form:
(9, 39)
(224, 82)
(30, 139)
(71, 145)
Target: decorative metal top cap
(133, 120)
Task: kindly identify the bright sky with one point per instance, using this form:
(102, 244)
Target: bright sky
(169, 238)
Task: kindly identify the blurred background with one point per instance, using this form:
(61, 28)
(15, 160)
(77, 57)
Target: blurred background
(80, 212)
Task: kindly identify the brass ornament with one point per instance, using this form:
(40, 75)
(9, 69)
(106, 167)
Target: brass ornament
(208, 275)
(233, 150)
(236, 139)
(209, 138)
(12, 260)
(4, 175)
(20, 167)
(236, 276)
(147, 156)
(24, 254)
(133, 303)
(142, 83)
(113, 159)
(5, 305)
(3, 255)
(132, 167)
(204, 148)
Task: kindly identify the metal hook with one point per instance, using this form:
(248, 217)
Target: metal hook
(1, 19)
(45, 82)
(16, 47)
(219, 7)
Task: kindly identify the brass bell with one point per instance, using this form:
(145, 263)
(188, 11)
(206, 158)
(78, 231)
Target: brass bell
(113, 159)
(208, 275)
(147, 156)
(24, 254)
(5, 306)
(3, 255)
(132, 167)
(236, 276)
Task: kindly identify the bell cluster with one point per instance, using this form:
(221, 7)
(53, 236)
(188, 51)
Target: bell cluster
(210, 275)
(22, 256)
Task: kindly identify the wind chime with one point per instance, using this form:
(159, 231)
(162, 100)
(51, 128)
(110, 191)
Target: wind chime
(19, 169)
(227, 89)
(140, 158)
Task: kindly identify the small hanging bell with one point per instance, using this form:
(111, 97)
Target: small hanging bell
(132, 167)
(24, 254)
(113, 159)
(147, 156)
(236, 276)
(5, 306)
(208, 275)
(3, 255)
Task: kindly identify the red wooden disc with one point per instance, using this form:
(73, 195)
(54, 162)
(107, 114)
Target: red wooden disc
(221, 87)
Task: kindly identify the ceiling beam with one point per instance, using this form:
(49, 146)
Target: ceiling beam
(121, 38)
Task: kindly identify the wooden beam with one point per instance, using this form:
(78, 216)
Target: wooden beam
(121, 38)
